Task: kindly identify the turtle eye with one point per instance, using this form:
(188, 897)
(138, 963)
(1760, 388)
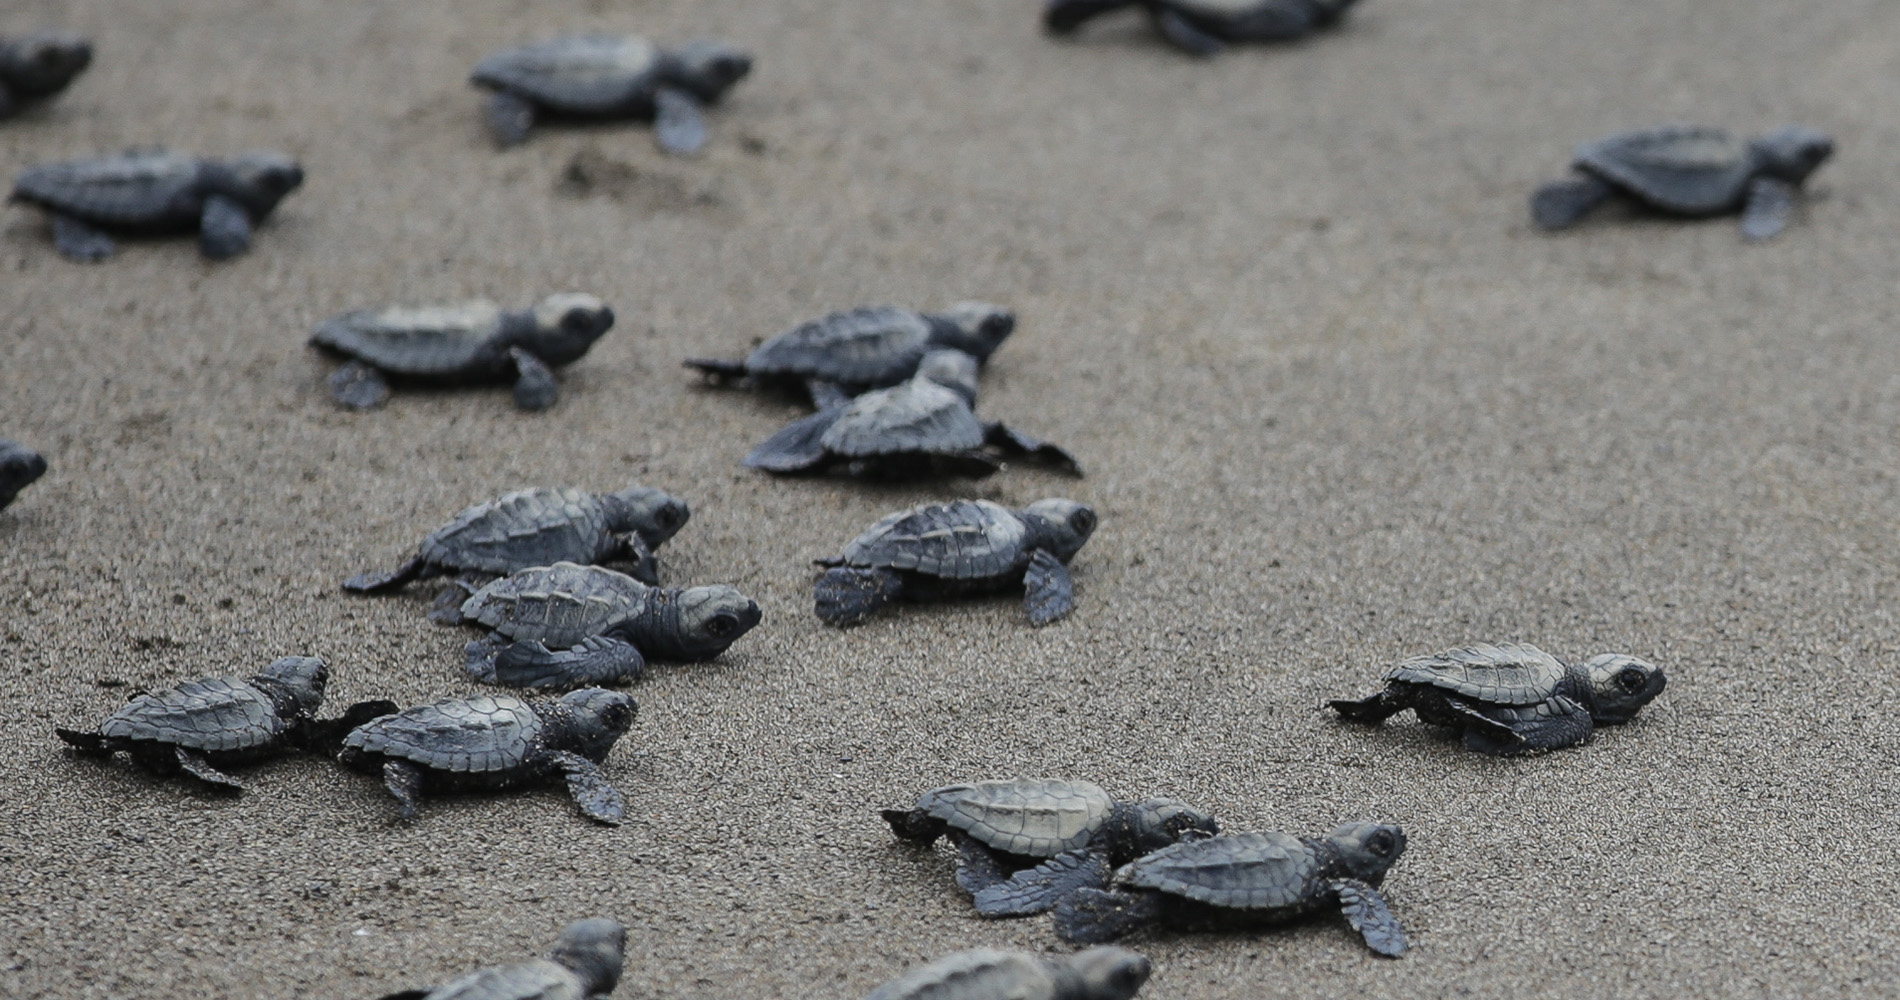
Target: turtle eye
(722, 626)
(1380, 843)
(577, 321)
(1631, 680)
(667, 516)
(1083, 521)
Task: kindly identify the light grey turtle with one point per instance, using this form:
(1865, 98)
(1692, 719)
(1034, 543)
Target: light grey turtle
(1513, 698)
(497, 742)
(34, 67)
(153, 192)
(925, 426)
(963, 547)
(585, 964)
(600, 77)
(536, 527)
(203, 725)
(985, 974)
(1024, 843)
(845, 353)
(1689, 170)
(1205, 27)
(20, 466)
(473, 343)
(1248, 879)
(565, 626)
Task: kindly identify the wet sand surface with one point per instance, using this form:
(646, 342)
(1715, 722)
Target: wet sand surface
(1338, 402)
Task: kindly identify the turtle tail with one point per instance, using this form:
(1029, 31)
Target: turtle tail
(1093, 916)
(87, 743)
(847, 594)
(376, 583)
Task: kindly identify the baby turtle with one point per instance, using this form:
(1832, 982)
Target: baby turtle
(919, 428)
(19, 467)
(159, 193)
(599, 77)
(1205, 27)
(1689, 170)
(585, 964)
(1245, 880)
(203, 725)
(474, 343)
(963, 547)
(1512, 698)
(1024, 843)
(536, 527)
(984, 974)
(838, 356)
(497, 743)
(34, 67)
(604, 624)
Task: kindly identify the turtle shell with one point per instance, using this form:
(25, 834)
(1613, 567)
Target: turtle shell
(213, 714)
(540, 979)
(977, 974)
(558, 605)
(537, 527)
(871, 345)
(433, 340)
(476, 734)
(1032, 817)
(143, 188)
(587, 75)
(1249, 871)
(1511, 674)
(1681, 168)
(960, 540)
(917, 416)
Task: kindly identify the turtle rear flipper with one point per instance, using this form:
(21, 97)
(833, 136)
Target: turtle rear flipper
(376, 583)
(1061, 17)
(358, 386)
(1367, 912)
(224, 228)
(81, 241)
(1014, 442)
(596, 661)
(1183, 35)
(847, 594)
(509, 118)
(1037, 889)
(535, 388)
(90, 744)
(193, 762)
(679, 124)
(596, 796)
(1562, 204)
(1049, 590)
(1095, 916)
(1769, 206)
(797, 447)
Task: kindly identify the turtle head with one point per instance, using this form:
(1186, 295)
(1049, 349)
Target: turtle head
(709, 68)
(44, 62)
(295, 684)
(566, 325)
(710, 619)
(954, 370)
(19, 467)
(654, 515)
(1620, 685)
(1110, 973)
(1067, 525)
(1793, 152)
(975, 328)
(596, 719)
(1366, 850)
(595, 949)
(258, 181)
(1159, 822)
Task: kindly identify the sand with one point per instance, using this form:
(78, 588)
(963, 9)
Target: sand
(1338, 402)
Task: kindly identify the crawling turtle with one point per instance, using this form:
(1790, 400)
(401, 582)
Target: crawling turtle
(584, 965)
(497, 742)
(156, 192)
(1205, 27)
(1513, 698)
(838, 356)
(985, 974)
(601, 77)
(36, 66)
(536, 527)
(918, 428)
(203, 725)
(19, 467)
(1247, 879)
(1024, 843)
(604, 625)
(1689, 170)
(962, 547)
(474, 343)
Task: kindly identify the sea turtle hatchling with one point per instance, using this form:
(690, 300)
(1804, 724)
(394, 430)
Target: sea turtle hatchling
(585, 964)
(1104, 973)
(34, 67)
(537, 527)
(845, 353)
(156, 192)
(1689, 170)
(1205, 27)
(961, 547)
(473, 343)
(20, 466)
(564, 626)
(497, 742)
(921, 427)
(602, 77)
(1513, 698)
(1247, 879)
(1024, 843)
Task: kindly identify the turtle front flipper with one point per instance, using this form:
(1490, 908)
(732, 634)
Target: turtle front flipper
(1061, 17)
(977, 868)
(1375, 709)
(1014, 442)
(596, 796)
(358, 386)
(193, 762)
(404, 781)
(1366, 910)
(1048, 589)
(509, 118)
(645, 565)
(81, 241)
(847, 595)
(1037, 889)
(797, 447)
(1559, 722)
(324, 737)
(1769, 206)
(535, 388)
(224, 228)
(376, 583)
(1095, 916)
(1183, 35)
(1562, 204)
(720, 369)
(678, 122)
(597, 661)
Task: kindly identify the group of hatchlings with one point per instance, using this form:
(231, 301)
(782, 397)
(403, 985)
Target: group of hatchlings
(893, 392)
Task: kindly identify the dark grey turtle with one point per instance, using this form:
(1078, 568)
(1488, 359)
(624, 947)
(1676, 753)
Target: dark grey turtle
(203, 725)
(498, 742)
(1248, 879)
(963, 547)
(838, 356)
(1024, 843)
(36, 66)
(20, 466)
(1689, 170)
(586, 963)
(604, 625)
(473, 343)
(1205, 27)
(536, 527)
(922, 427)
(602, 77)
(1513, 698)
(154, 192)
(984, 974)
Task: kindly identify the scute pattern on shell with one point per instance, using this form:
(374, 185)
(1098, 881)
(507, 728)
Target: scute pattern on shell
(539, 979)
(136, 187)
(217, 713)
(1511, 674)
(962, 540)
(980, 972)
(1685, 168)
(1034, 817)
(560, 604)
(414, 341)
(482, 733)
(915, 416)
(867, 345)
(1257, 871)
(584, 74)
(524, 528)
